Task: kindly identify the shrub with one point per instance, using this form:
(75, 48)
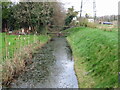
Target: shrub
(84, 22)
(91, 25)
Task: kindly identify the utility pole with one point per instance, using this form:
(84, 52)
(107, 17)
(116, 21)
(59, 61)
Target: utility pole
(81, 8)
(94, 9)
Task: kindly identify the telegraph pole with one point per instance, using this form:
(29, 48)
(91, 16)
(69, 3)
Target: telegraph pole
(94, 9)
(81, 8)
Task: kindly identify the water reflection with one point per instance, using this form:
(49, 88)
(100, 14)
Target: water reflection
(52, 67)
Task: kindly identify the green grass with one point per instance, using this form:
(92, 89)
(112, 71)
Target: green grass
(20, 50)
(96, 57)
(11, 44)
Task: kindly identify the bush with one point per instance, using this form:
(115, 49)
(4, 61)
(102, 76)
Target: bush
(84, 22)
(91, 25)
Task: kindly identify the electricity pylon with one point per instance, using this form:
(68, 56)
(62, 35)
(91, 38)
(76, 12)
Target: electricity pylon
(81, 8)
(94, 9)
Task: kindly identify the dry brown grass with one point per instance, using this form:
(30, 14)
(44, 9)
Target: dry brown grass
(91, 25)
(0, 76)
(16, 65)
(107, 27)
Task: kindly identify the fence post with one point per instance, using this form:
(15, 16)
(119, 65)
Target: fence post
(4, 55)
(20, 44)
(9, 50)
(6, 51)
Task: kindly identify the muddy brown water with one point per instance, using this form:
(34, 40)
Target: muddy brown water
(52, 67)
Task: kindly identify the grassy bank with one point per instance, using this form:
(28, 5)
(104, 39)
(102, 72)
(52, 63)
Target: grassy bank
(11, 44)
(17, 52)
(95, 53)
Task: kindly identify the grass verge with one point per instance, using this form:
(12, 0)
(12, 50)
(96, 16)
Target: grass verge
(12, 66)
(96, 57)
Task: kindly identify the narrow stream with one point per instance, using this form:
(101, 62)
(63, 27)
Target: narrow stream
(52, 67)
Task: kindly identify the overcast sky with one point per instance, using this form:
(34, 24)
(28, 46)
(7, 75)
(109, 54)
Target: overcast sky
(103, 7)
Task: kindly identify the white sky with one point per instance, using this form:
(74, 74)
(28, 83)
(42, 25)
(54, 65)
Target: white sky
(103, 7)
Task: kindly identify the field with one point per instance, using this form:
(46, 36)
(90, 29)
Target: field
(96, 57)
(14, 43)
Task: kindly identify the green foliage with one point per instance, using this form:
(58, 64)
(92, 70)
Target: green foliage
(68, 20)
(96, 51)
(31, 14)
(70, 15)
(6, 11)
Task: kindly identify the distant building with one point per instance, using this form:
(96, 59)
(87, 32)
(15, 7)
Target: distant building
(90, 20)
(75, 18)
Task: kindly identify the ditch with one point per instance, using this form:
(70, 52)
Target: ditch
(52, 67)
